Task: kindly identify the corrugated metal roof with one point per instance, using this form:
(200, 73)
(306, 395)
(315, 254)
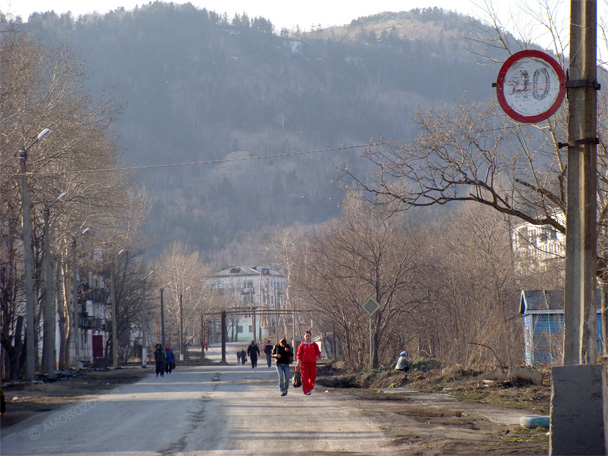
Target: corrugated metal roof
(549, 301)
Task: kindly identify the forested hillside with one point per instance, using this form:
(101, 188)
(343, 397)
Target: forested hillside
(201, 87)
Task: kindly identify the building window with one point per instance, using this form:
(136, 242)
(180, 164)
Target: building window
(239, 329)
(250, 328)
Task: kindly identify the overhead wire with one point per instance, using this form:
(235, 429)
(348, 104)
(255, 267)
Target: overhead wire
(225, 160)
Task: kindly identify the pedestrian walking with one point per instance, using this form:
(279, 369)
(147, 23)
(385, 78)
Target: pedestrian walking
(160, 358)
(170, 360)
(253, 352)
(268, 350)
(308, 352)
(283, 353)
(243, 356)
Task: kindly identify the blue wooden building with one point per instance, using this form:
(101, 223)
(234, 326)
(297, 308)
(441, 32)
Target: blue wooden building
(543, 315)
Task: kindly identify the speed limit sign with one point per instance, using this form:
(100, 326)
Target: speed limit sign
(531, 86)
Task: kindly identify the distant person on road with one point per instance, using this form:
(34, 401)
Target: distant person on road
(206, 345)
(160, 358)
(253, 351)
(308, 352)
(243, 356)
(268, 350)
(170, 360)
(283, 353)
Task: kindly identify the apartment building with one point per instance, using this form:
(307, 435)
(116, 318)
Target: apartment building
(255, 291)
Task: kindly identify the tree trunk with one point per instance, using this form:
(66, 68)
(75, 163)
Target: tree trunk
(64, 321)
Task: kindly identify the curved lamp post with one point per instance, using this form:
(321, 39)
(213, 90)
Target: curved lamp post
(50, 315)
(27, 247)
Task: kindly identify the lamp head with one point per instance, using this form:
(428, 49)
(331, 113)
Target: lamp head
(42, 133)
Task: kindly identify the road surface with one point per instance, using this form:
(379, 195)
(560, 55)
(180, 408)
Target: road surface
(202, 410)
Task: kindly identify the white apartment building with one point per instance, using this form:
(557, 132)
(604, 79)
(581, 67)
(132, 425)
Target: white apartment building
(543, 245)
(254, 290)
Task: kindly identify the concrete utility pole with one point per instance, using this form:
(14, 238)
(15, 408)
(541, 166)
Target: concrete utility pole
(578, 387)
(581, 257)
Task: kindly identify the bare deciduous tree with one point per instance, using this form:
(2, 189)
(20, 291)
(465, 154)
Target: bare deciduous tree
(43, 87)
(359, 255)
(474, 321)
(188, 276)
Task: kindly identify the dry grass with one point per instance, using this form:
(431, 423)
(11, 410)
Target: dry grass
(467, 385)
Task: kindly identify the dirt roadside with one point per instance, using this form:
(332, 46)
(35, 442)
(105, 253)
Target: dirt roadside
(23, 400)
(456, 413)
(430, 415)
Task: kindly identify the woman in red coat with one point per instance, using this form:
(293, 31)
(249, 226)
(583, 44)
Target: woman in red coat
(307, 355)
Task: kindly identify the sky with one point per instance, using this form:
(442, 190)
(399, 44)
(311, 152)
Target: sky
(288, 14)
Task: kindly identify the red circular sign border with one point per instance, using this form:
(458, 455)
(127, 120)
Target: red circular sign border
(501, 79)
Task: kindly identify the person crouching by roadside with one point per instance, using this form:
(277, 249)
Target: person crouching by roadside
(169, 360)
(308, 352)
(160, 358)
(283, 353)
(403, 364)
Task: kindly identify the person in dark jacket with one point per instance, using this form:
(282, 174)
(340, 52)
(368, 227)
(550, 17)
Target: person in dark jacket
(170, 359)
(268, 350)
(283, 353)
(253, 352)
(160, 358)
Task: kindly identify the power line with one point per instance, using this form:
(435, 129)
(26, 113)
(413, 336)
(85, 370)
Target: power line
(225, 160)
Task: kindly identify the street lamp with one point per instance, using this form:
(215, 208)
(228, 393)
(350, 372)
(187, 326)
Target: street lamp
(75, 320)
(181, 326)
(162, 316)
(27, 247)
(114, 312)
(50, 318)
(144, 325)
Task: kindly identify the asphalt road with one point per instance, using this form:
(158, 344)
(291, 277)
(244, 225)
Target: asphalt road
(208, 410)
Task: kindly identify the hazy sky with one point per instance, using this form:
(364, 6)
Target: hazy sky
(281, 13)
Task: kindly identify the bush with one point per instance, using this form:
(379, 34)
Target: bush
(425, 365)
